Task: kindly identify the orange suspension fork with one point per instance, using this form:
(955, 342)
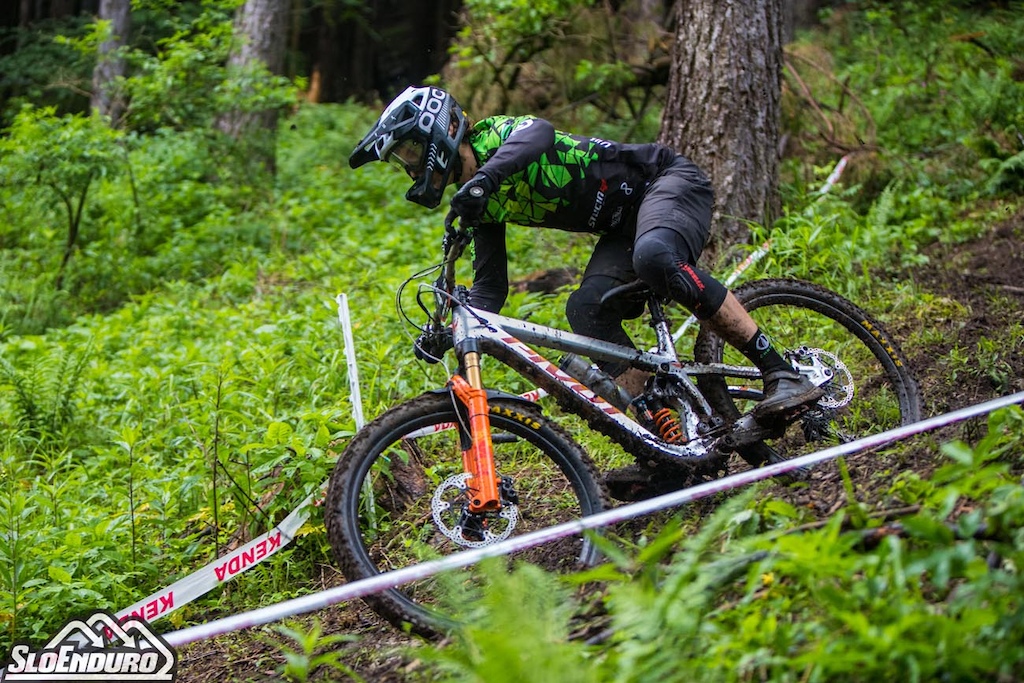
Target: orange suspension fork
(478, 459)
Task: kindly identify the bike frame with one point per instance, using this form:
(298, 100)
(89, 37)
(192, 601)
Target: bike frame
(505, 339)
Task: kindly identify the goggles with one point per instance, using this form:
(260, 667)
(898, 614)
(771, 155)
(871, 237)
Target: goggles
(408, 155)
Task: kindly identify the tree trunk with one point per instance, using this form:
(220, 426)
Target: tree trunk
(722, 106)
(261, 27)
(24, 13)
(109, 65)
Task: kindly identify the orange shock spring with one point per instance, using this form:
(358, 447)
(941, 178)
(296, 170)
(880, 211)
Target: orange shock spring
(668, 426)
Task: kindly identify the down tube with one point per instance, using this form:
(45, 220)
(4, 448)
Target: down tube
(545, 374)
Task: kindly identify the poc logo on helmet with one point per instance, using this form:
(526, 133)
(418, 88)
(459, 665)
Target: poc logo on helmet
(431, 108)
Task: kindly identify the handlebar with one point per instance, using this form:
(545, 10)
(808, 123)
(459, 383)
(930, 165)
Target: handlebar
(454, 243)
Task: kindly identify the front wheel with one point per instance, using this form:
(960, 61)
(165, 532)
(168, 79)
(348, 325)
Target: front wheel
(396, 498)
(872, 389)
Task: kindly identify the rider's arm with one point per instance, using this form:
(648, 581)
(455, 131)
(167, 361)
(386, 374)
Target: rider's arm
(523, 140)
(490, 268)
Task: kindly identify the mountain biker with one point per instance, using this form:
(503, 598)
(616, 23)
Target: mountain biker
(650, 206)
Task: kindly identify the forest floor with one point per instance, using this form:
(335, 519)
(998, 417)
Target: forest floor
(982, 284)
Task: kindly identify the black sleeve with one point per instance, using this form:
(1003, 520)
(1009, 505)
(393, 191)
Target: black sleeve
(528, 140)
(490, 268)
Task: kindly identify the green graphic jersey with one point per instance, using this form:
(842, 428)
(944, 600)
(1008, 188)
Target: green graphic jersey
(552, 179)
(547, 178)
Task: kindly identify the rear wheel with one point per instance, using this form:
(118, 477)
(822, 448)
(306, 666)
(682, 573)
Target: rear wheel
(872, 390)
(396, 498)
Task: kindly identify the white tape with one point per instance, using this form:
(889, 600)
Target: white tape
(223, 569)
(834, 176)
(385, 581)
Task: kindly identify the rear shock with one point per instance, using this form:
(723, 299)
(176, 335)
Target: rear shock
(667, 424)
(653, 412)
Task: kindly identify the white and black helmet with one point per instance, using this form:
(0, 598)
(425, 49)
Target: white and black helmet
(416, 132)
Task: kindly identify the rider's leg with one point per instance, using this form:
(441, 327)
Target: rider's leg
(672, 227)
(784, 387)
(610, 265)
(658, 263)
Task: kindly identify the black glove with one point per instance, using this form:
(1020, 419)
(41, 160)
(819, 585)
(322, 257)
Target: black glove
(430, 346)
(470, 201)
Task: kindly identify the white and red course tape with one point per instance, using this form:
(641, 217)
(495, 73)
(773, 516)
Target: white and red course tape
(423, 570)
(204, 580)
(225, 568)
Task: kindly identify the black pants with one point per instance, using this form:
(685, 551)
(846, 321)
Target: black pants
(672, 226)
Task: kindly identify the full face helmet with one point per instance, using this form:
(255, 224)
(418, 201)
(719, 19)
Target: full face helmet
(416, 132)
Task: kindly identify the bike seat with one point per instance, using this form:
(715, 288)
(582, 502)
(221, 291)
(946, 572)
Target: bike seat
(629, 294)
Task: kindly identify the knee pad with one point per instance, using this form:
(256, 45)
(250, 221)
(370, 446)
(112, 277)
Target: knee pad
(660, 262)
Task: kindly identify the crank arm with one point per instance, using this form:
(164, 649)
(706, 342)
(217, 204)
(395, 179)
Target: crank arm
(747, 431)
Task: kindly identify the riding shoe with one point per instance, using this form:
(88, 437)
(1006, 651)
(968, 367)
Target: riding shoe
(785, 390)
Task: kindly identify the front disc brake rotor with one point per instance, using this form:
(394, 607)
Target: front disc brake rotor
(449, 508)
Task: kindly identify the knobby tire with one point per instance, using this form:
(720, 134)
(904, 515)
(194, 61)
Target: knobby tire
(795, 313)
(554, 478)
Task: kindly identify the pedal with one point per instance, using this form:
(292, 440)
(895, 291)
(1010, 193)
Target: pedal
(783, 418)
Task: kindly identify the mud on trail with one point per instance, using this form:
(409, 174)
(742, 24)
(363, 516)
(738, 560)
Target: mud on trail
(965, 344)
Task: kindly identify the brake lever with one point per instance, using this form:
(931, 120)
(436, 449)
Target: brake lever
(454, 238)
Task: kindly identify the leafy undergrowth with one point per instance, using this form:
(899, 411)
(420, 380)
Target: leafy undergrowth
(896, 565)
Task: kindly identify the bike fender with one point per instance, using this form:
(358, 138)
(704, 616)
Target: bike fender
(496, 394)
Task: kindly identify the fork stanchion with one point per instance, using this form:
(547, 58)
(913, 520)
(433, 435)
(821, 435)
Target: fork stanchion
(478, 459)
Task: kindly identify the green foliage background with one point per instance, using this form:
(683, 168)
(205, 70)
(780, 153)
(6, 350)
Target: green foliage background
(186, 359)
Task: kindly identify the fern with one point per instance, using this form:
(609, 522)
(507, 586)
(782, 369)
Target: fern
(26, 411)
(43, 397)
(64, 385)
(1009, 177)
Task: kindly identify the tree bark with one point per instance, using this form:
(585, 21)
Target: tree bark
(261, 27)
(723, 102)
(109, 65)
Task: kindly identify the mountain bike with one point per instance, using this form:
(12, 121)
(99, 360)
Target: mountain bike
(463, 465)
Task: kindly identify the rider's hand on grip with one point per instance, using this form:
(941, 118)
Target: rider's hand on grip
(470, 201)
(430, 346)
